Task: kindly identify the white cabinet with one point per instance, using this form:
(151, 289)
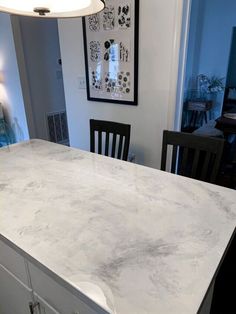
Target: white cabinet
(14, 295)
(58, 296)
(14, 262)
(44, 307)
(22, 283)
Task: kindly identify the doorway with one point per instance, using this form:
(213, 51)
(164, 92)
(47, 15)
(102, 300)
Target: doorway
(40, 67)
(206, 46)
(206, 75)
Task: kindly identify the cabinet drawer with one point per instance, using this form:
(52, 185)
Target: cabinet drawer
(59, 297)
(14, 262)
(14, 295)
(45, 308)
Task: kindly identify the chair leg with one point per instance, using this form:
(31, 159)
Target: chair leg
(192, 118)
(195, 119)
(205, 115)
(233, 177)
(202, 118)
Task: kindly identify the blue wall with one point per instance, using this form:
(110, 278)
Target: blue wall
(212, 23)
(231, 78)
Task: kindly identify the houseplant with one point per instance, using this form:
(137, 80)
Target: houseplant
(210, 85)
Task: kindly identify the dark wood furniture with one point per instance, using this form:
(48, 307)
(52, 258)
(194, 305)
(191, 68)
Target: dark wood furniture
(117, 138)
(229, 104)
(228, 176)
(223, 301)
(193, 156)
(228, 126)
(199, 110)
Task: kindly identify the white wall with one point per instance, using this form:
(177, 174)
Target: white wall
(40, 44)
(212, 23)
(10, 89)
(160, 26)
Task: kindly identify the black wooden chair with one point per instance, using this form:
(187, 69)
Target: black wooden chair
(193, 156)
(120, 132)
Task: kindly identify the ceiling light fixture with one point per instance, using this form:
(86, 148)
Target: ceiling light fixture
(52, 8)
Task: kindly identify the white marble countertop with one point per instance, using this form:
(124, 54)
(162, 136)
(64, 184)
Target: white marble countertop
(148, 240)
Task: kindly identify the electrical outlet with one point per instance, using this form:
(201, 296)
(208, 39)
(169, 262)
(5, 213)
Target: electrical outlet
(81, 82)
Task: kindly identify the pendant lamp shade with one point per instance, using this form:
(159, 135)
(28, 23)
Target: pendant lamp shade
(52, 8)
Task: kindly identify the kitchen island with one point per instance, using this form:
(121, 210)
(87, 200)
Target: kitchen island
(120, 237)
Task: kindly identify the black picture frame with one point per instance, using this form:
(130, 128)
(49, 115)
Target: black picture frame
(134, 4)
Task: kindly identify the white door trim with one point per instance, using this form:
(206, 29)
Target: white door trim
(23, 76)
(187, 4)
(181, 8)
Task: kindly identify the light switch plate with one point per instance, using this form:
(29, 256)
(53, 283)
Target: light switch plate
(81, 82)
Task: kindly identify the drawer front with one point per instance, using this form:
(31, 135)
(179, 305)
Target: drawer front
(14, 295)
(44, 307)
(14, 262)
(59, 297)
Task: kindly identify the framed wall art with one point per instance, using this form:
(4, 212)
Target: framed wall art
(111, 53)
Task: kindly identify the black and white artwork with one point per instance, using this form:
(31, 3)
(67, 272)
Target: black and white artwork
(124, 82)
(109, 17)
(124, 17)
(124, 51)
(118, 83)
(111, 53)
(111, 83)
(95, 51)
(96, 80)
(94, 23)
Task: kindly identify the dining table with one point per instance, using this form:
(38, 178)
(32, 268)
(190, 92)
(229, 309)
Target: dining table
(122, 237)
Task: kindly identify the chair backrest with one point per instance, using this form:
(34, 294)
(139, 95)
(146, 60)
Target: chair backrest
(193, 156)
(116, 146)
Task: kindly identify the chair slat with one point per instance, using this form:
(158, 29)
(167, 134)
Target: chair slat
(126, 149)
(195, 163)
(163, 159)
(164, 151)
(114, 145)
(120, 147)
(99, 142)
(214, 172)
(107, 144)
(174, 159)
(92, 141)
(184, 161)
(205, 166)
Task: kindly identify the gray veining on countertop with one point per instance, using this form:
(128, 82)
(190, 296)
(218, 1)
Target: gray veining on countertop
(134, 239)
